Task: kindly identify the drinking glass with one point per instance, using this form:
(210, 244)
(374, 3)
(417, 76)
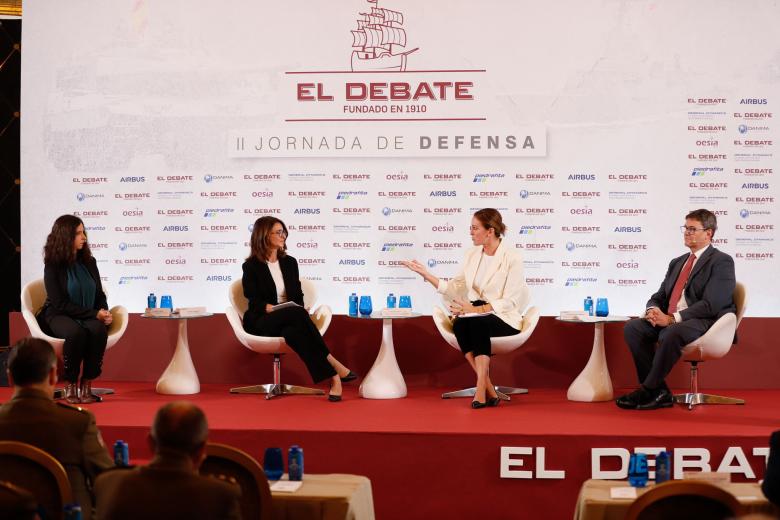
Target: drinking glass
(272, 463)
(166, 302)
(602, 307)
(365, 306)
(405, 302)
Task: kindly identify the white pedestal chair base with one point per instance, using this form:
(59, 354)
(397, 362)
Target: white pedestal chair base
(503, 392)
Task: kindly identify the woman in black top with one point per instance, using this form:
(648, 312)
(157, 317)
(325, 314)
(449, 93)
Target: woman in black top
(75, 308)
(271, 277)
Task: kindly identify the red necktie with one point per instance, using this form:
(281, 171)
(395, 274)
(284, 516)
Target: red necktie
(680, 284)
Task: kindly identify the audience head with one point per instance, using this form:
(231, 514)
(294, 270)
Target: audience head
(59, 248)
(268, 233)
(32, 362)
(490, 218)
(180, 427)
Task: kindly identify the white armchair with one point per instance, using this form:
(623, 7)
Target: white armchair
(714, 344)
(34, 296)
(498, 345)
(270, 344)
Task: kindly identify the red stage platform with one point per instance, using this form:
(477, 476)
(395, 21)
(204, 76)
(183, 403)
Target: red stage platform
(433, 458)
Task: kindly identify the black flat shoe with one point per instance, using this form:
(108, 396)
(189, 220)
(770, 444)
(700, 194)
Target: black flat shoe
(493, 401)
(478, 404)
(349, 377)
(334, 398)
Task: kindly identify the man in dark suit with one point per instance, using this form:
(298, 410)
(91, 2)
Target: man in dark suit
(67, 433)
(771, 485)
(696, 291)
(169, 487)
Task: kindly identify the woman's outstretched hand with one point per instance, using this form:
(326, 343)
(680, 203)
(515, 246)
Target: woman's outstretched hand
(415, 266)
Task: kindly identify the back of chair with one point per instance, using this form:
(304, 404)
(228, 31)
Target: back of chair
(33, 296)
(35, 470)
(233, 465)
(241, 304)
(740, 300)
(683, 500)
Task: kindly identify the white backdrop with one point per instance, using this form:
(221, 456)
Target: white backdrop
(594, 126)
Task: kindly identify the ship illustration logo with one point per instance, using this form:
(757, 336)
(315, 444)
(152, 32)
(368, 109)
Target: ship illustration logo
(379, 42)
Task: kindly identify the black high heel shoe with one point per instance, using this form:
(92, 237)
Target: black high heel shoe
(334, 398)
(349, 377)
(493, 401)
(478, 404)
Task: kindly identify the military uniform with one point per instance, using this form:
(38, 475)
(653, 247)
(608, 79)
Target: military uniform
(67, 433)
(167, 489)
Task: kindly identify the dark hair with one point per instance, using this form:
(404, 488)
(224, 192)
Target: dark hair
(491, 218)
(706, 217)
(180, 426)
(30, 361)
(59, 244)
(259, 241)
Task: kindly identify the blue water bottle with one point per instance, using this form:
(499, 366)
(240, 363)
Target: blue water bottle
(589, 305)
(72, 511)
(663, 467)
(391, 301)
(637, 470)
(151, 301)
(295, 462)
(121, 454)
(353, 304)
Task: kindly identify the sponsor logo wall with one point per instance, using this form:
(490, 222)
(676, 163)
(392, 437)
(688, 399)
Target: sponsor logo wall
(375, 133)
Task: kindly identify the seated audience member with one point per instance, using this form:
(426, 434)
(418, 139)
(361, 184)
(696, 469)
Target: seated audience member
(696, 291)
(169, 487)
(771, 485)
(68, 433)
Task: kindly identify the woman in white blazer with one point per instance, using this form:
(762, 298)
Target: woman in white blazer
(490, 284)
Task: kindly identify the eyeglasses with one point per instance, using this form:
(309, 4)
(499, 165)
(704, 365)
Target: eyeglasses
(690, 230)
(281, 233)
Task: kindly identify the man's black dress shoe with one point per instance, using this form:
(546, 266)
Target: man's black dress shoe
(349, 377)
(631, 400)
(661, 398)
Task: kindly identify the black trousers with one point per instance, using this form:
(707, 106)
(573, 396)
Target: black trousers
(654, 364)
(473, 334)
(300, 333)
(85, 343)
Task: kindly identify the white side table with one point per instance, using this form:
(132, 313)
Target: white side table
(180, 378)
(594, 383)
(384, 380)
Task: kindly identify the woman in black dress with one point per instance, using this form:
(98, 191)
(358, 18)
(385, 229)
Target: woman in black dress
(270, 278)
(76, 308)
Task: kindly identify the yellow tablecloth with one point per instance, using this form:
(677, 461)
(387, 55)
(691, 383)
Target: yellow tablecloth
(594, 502)
(327, 497)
